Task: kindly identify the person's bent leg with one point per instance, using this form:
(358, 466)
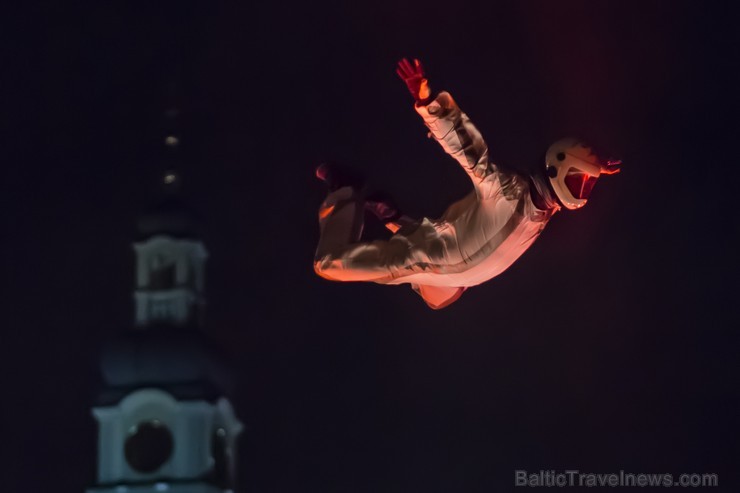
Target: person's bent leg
(340, 256)
(403, 221)
(384, 207)
(381, 261)
(341, 218)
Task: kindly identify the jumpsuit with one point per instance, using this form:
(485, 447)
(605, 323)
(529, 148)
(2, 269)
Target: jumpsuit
(476, 239)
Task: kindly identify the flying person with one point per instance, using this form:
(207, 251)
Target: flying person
(477, 237)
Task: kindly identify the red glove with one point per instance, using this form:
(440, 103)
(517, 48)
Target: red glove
(413, 76)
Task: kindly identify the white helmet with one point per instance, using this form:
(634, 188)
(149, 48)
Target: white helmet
(573, 169)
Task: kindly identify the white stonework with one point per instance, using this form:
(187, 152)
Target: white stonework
(193, 424)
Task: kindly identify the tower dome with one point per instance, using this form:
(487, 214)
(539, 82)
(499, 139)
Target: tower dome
(170, 213)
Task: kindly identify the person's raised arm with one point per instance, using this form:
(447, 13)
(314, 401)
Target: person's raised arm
(448, 125)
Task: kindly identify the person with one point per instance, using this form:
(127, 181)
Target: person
(478, 237)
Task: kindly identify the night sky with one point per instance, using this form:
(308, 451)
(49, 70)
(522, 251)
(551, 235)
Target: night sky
(610, 345)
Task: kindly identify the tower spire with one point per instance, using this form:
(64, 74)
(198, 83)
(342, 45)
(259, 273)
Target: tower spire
(170, 256)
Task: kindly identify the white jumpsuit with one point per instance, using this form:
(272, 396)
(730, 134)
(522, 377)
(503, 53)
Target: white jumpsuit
(475, 240)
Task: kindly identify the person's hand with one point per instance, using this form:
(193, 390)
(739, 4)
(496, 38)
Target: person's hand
(413, 75)
(612, 167)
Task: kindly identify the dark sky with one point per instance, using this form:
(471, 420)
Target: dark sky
(610, 345)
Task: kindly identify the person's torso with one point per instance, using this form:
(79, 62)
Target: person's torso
(481, 235)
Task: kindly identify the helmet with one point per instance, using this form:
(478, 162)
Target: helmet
(573, 169)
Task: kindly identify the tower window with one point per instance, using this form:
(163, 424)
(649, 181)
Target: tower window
(162, 275)
(148, 446)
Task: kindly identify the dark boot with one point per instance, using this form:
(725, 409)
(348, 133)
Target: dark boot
(383, 207)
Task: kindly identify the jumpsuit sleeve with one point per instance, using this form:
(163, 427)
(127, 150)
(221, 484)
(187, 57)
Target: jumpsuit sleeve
(457, 135)
(438, 297)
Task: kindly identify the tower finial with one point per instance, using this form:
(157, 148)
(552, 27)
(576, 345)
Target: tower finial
(171, 182)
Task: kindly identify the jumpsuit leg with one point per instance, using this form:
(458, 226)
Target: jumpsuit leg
(341, 256)
(341, 220)
(402, 222)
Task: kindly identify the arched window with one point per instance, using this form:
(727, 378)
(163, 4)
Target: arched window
(162, 275)
(148, 446)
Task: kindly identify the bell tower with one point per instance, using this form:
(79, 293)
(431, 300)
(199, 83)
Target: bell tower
(165, 419)
(170, 264)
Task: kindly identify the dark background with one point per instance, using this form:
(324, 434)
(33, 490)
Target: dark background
(610, 345)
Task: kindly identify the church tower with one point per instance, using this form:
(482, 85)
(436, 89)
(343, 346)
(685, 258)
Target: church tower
(165, 422)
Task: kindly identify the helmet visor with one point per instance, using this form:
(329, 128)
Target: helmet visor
(579, 183)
